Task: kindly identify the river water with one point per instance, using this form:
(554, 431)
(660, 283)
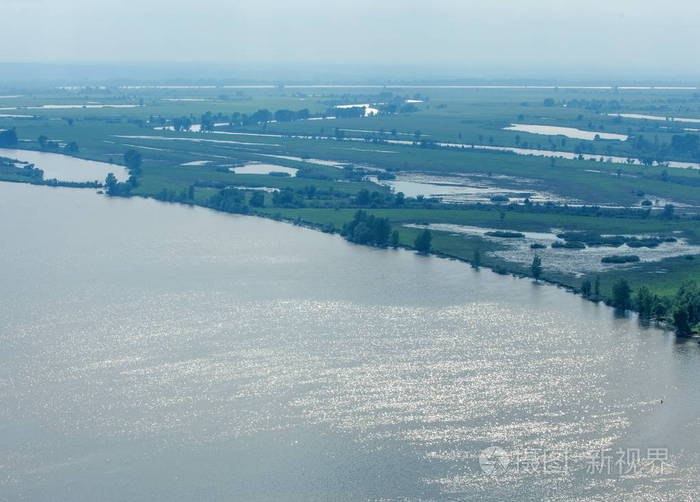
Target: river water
(66, 168)
(153, 351)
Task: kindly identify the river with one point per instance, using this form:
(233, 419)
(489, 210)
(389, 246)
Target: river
(67, 168)
(153, 351)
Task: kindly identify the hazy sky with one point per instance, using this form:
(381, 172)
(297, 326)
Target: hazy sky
(630, 35)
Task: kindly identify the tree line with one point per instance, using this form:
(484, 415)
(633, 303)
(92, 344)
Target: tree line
(682, 311)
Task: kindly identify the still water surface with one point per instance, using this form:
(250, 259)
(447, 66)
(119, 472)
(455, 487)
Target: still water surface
(569, 132)
(66, 168)
(161, 352)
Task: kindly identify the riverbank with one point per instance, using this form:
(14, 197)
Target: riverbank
(463, 247)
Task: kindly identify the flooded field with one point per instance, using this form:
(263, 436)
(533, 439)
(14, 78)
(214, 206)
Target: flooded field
(196, 140)
(569, 132)
(464, 189)
(519, 151)
(261, 168)
(571, 261)
(320, 162)
(665, 118)
(197, 163)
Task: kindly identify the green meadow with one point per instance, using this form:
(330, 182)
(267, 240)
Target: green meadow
(327, 196)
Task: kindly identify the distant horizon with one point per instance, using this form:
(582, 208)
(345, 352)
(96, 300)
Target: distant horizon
(305, 73)
(595, 40)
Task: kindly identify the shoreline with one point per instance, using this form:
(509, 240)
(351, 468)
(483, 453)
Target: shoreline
(663, 325)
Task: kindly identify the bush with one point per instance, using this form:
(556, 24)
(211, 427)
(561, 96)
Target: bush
(423, 241)
(621, 259)
(506, 235)
(622, 295)
(569, 245)
(367, 229)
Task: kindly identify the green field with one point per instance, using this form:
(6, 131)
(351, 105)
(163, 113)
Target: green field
(327, 196)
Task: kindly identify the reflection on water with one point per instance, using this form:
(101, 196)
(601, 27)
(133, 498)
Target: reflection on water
(174, 353)
(67, 168)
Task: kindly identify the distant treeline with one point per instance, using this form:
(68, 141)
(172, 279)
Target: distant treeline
(682, 145)
(208, 120)
(45, 143)
(685, 146)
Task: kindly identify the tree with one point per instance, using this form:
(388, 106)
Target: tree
(230, 200)
(586, 288)
(622, 298)
(476, 259)
(362, 198)
(645, 301)
(284, 115)
(395, 239)
(110, 182)
(71, 147)
(261, 116)
(423, 241)
(536, 267)
(8, 137)
(132, 160)
(116, 189)
(287, 198)
(681, 320)
(258, 199)
(381, 231)
(206, 122)
(367, 229)
(686, 309)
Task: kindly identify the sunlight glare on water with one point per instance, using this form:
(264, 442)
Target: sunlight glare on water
(177, 353)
